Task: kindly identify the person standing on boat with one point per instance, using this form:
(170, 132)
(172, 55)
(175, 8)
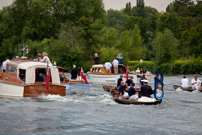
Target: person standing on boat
(115, 65)
(5, 63)
(96, 59)
(141, 71)
(133, 95)
(185, 82)
(108, 66)
(122, 88)
(61, 77)
(119, 81)
(46, 59)
(129, 81)
(145, 89)
(120, 57)
(142, 78)
(196, 83)
(74, 72)
(39, 57)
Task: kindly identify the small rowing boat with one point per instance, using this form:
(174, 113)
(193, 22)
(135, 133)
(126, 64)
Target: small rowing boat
(185, 89)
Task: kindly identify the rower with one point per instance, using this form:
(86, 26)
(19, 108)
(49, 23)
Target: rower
(133, 95)
(122, 88)
(196, 83)
(143, 78)
(119, 81)
(184, 82)
(145, 89)
(129, 81)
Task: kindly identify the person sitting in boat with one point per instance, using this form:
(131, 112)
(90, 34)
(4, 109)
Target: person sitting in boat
(184, 82)
(74, 72)
(120, 57)
(196, 83)
(129, 81)
(119, 81)
(142, 78)
(115, 65)
(133, 95)
(145, 89)
(5, 63)
(138, 70)
(141, 71)
(96, 59)
(61, 77)
(108, 66)
(40, 78)
(147, 73)
(122, 88)
(39, 57)
(46, 59)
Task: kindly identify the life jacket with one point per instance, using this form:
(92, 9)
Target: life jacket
(38, 59)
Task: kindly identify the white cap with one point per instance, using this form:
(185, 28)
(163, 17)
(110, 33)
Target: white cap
(145, 81)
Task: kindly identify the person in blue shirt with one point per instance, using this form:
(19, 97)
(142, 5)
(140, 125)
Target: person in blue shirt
(132, 93)
(119, 81)
(120, 57)
(40, 78)
(142, 78)
(129, 81)
(145, 89)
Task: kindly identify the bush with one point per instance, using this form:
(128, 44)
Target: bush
(133, 63)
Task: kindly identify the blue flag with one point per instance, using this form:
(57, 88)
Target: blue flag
(158, 92)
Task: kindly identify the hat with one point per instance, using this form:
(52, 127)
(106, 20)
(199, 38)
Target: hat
(7, 57)
(131, 76)
(121, 75)
(144, 81)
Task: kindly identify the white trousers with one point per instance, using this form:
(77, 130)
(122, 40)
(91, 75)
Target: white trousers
(133, 97)
(195, 87)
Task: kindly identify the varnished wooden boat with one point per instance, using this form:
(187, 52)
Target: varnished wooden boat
(20, 80)
(184, 89)
(69, 81)
(115, 95)
(114, 88)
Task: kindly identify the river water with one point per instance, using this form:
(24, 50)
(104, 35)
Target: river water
(89, 110)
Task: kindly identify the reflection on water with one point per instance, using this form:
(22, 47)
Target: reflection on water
(89, 110)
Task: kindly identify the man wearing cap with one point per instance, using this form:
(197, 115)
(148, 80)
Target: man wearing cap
(142, 78)
(119, 81)
(122, 88)
(145, 89)
(5, 63)
(115, 65)
(133, 95)
(129, 81)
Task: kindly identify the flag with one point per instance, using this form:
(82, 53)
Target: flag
(83, 76)
(158, 92)
(47, 77)
(126, 74)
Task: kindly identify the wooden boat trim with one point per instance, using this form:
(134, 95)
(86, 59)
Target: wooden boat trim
(13, 77)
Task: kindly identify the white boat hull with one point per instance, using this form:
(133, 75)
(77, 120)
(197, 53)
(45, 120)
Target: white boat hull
(108, 79)
(11, 91)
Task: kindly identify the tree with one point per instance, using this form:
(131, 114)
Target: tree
(165, 47)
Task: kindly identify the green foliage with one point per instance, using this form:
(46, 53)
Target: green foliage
(133, 63)
(165, 47)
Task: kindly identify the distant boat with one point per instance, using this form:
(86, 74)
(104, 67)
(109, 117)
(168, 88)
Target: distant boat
(98, 74)
(20, 80)
(190, 89)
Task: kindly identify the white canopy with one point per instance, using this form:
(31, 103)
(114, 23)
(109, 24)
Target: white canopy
(30, 71)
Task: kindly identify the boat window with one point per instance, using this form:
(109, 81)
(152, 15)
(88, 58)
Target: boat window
(41, 75)
(22, 74)
(92, 69)
(95, 69)
(11, 69)
(99, 70)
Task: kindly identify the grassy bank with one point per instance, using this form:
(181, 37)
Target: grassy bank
(178, 67)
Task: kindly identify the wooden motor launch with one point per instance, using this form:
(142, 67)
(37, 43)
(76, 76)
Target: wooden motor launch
(98, 74)
(20, 80)
(190, 89)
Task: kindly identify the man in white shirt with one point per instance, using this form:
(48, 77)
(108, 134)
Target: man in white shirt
(185, 82)
(115, 64)
(196, 83)
(5, 63)
(108, 66)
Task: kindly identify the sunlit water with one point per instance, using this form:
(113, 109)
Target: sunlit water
(89, 110)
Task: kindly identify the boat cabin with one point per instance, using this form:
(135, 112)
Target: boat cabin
(100, 69)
